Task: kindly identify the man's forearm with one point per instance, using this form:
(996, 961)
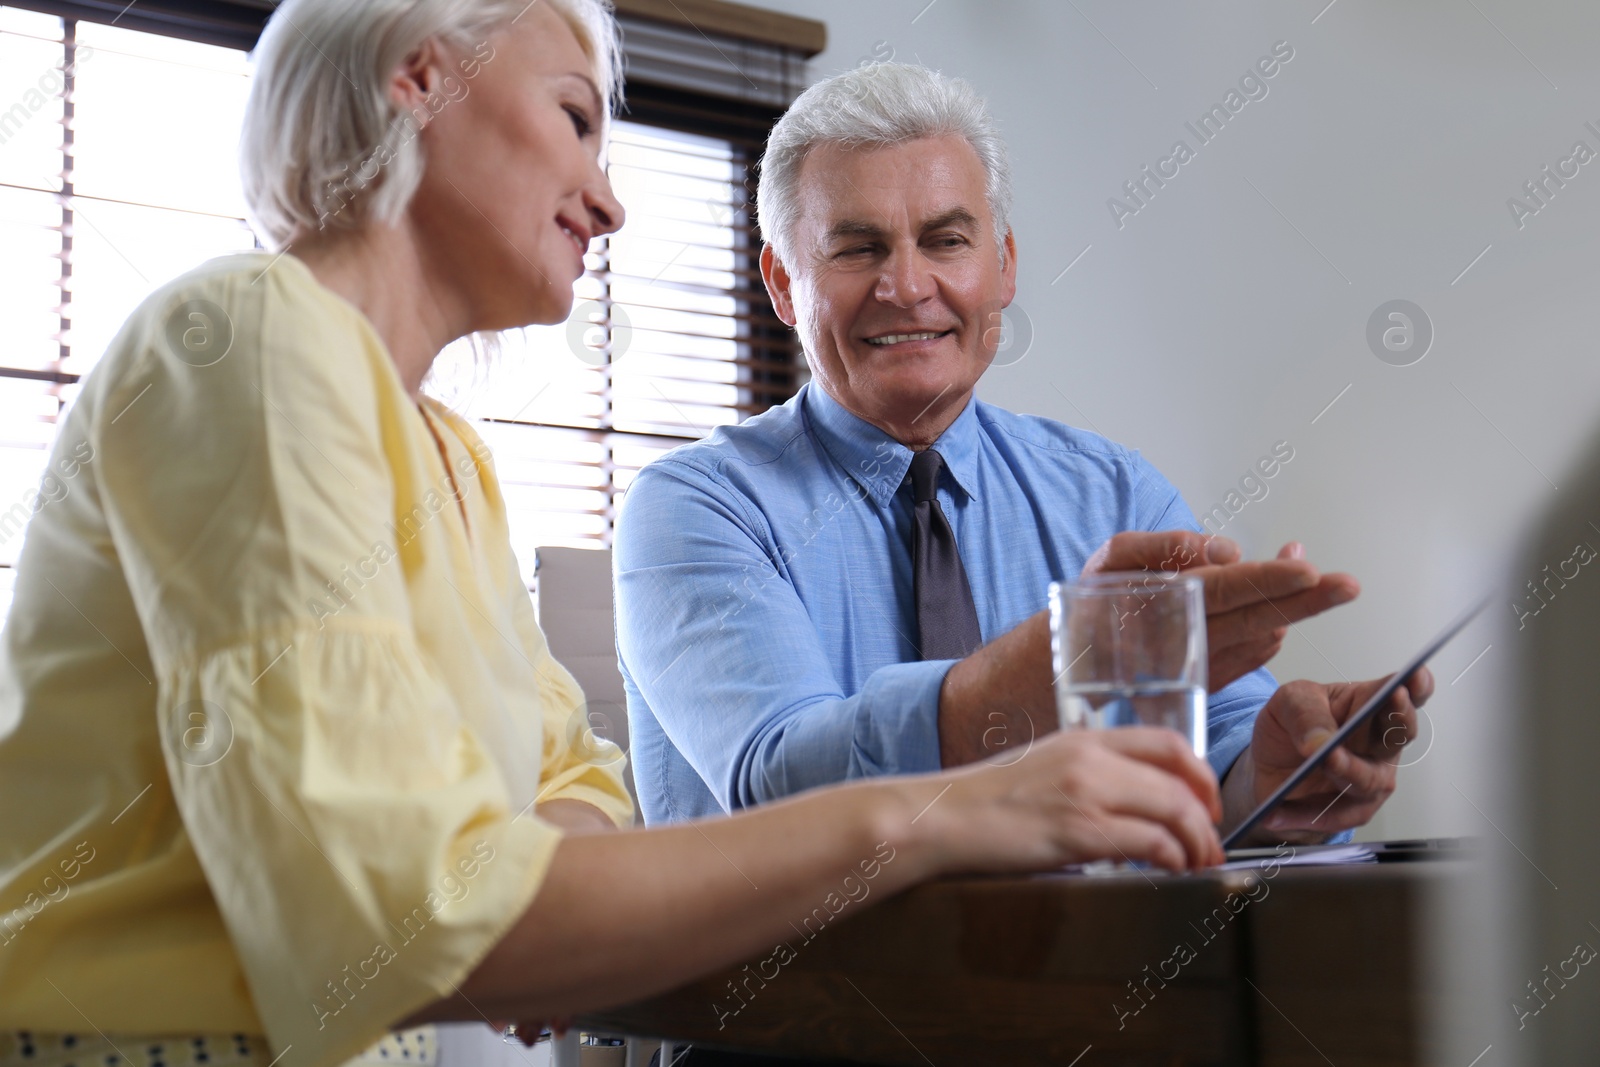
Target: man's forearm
(1238, 795)
(999, 698)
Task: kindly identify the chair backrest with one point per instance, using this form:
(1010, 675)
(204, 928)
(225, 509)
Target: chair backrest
(575, 612)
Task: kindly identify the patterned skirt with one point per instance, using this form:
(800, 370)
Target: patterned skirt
(23, 1048)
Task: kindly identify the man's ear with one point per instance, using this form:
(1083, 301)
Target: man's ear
(776, 277)
(417, 78)
(1008, 271)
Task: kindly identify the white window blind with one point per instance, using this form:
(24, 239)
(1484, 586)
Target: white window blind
(118, 171)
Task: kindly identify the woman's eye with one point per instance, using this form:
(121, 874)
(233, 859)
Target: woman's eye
(580, 121)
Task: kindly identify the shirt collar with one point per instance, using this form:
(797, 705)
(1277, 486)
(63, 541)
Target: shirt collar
(878, 462)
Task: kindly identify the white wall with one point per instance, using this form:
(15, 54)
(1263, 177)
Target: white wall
(1232, 309)
(1213, 323)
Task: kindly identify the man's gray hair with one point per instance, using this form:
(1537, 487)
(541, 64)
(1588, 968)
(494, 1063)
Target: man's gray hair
(877, 105)
(322, 143)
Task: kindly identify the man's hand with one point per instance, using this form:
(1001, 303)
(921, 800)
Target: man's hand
(1355, 779)
(1002, 696)
(1249, 606)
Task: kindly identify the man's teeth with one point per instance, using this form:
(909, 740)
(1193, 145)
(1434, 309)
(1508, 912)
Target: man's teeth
(897, 338)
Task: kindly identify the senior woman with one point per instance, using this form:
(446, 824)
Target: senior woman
(288, 767)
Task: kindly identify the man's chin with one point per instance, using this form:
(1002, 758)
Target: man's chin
(929, 387)
(918, 401)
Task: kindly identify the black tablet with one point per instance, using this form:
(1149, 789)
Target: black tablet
(1353, 723)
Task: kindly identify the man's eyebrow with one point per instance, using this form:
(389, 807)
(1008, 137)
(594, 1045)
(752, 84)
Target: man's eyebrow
(958, 217)
(851, 228)
(848, 229)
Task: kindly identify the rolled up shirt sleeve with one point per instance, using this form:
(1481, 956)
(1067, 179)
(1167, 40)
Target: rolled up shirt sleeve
(1232, 718)
(729, 662)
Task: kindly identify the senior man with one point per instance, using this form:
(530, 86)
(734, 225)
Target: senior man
(853, 583)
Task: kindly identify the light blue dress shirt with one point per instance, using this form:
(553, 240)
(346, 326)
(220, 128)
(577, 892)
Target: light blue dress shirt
(765, 619)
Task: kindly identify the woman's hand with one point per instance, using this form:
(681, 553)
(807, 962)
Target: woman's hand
(1133, 793)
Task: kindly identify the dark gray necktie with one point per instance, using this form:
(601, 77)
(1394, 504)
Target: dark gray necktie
(947, 621)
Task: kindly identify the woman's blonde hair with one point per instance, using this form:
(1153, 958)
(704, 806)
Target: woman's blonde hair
(322, 143)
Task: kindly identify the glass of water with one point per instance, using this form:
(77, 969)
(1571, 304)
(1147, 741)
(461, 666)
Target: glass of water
(1129, 649)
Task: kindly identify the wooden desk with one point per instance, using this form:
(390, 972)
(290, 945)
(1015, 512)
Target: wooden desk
(1309, 966)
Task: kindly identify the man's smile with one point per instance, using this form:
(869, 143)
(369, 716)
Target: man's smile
(885, 340)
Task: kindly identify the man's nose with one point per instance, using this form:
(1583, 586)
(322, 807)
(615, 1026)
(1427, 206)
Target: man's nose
(905, 280)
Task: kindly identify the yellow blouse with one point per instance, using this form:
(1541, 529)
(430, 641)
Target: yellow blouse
(278, 708)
